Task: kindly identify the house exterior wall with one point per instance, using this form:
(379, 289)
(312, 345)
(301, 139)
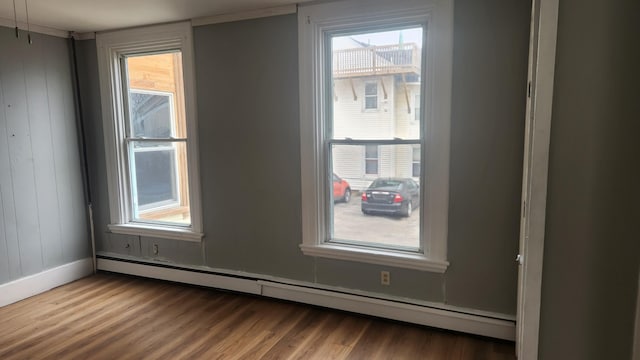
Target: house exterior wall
(407, 126)
(390, 120)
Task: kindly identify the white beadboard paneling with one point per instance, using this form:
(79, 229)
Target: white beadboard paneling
(43, 222)
(43, 161)
(66, 154)
(21, 160)
(5, 181)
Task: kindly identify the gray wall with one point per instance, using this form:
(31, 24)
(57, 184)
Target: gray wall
(247, 88)
(592, 246)
(42, 213)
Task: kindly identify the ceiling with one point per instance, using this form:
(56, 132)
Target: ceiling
(96, 15)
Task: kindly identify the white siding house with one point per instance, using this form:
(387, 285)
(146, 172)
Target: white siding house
(376, 95)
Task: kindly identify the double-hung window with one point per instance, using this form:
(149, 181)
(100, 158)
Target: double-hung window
(390, 52)
(416, 163)
(371, 159)
(146, 77)
(370, 95)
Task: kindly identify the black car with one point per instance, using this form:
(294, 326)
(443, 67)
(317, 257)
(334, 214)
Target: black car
(391, 196)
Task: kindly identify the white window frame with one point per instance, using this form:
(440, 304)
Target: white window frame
(314, 22)
(111, 47)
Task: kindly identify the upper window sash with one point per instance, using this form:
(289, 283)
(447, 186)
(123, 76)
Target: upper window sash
(130, 134)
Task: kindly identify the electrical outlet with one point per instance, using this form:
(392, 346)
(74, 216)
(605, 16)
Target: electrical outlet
(385, 278)
(155, 249)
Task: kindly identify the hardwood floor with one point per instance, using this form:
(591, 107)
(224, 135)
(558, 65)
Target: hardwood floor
(110, 316)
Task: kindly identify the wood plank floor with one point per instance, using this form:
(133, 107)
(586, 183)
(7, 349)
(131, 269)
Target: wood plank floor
(110, 316)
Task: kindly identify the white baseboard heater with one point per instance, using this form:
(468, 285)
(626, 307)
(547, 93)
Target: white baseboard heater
(497, 326)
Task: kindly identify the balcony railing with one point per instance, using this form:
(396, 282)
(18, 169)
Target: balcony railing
(376, 60)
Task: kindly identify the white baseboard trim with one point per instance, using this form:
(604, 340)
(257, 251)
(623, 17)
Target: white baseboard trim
(181, 276)
(38, 283)
(359, 303)
(444, 319)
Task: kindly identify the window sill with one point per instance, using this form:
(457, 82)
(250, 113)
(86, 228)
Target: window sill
(156, 231)
(373, 256)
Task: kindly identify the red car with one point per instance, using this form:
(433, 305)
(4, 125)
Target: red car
(341, 189)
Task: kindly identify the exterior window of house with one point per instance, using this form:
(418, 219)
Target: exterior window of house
(415, 163)
(371, 159)
(370, 95)
(145, 76)
(397, 218)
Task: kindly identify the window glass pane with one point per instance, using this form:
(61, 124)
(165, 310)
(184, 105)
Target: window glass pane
(382, 210)
(371, 159)
(157, 169)
(371, 151)
(156, 95)
(371, 89)
(381, 71)
(371, 96)
(159, 182)
(151, 114)
(371, 102)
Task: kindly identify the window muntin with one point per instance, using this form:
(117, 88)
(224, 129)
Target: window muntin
(147, 91)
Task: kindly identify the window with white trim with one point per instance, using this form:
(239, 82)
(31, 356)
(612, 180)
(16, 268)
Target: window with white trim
(398, 46)
(370, 95)
(146, 78)
(371, 159)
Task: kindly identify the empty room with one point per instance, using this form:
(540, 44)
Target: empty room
(348, 179)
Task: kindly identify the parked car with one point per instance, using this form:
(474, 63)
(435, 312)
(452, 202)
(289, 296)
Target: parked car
(391, 196)
(341, 189)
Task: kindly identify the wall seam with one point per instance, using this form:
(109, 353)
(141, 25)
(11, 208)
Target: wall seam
(13, 192)
(53, 157)
(6, 243)
(33, 165)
